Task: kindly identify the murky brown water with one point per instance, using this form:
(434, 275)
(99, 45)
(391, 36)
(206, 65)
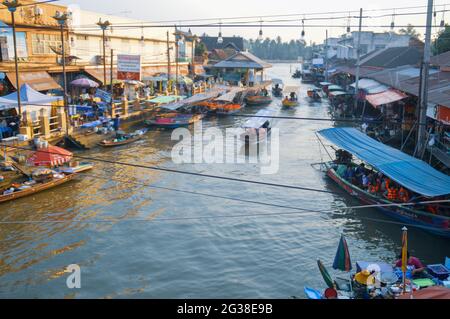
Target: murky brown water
(247, 257)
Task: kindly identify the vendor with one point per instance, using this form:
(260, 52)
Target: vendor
(419, 269)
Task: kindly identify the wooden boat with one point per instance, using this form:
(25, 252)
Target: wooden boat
(433, 184)
(258, 100)
(277, 89)
(123, 139)
(289, 103)
(37, 187)
(78, 168)
(314, 94)
(174, 120)
(220, 107)
(256, 129)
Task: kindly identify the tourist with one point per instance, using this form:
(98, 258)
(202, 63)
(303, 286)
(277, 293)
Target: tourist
(349, 174)
(359, 172)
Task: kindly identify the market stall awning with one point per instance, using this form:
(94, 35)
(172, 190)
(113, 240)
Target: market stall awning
(385, 97)
(339, 93)
(39, 81)
(28, 96)
(98, 74)
(50, 156)
(370, 86)
(406, 170)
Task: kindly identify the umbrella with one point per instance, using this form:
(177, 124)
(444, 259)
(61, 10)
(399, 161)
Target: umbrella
(404, 255)
(50, 156)
(325, 274)
(342, 259)
(84, 82)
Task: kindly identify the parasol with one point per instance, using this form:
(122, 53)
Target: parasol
(342, 259)
(49, 157)
(325, 274)
(84, 82)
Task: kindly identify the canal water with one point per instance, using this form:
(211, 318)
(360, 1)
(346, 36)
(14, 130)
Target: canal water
(136, 241)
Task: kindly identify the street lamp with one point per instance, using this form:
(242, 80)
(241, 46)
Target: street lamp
(104, 26)
(178, 42)
(12, 7)
(61, 18)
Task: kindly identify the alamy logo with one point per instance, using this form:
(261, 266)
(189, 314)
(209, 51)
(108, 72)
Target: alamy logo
(74, 279)
(260, 145)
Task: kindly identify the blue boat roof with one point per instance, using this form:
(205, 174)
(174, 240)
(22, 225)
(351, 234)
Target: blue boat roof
(412, 173)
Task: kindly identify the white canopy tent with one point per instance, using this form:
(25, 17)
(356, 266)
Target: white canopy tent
(31, 101)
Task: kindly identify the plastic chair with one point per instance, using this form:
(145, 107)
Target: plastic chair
(447, 263)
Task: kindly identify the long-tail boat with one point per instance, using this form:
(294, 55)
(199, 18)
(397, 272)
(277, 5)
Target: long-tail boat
(423, 182)
(18, 190)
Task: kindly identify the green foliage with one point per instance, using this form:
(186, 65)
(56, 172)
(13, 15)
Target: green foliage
(276, 49)
(200, 49)
(442, 43)
(410, 31)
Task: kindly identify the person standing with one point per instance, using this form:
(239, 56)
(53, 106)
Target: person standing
(116, 122)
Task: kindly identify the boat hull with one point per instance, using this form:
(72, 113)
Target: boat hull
(290, 104)
(259, 100)
(127, 141)
(433, 224)
(36, 189)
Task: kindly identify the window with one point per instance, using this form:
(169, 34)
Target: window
(42, 43)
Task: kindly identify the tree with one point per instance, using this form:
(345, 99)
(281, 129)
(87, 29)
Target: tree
(442, 43)
(200, 49)
(410, 31)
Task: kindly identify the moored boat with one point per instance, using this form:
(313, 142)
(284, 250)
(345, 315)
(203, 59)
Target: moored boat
(78, 167)
(423, 182)
(19, 190)
(173, 120)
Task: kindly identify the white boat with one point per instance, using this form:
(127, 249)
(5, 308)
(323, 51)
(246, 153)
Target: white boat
(78, 168)
(257, 129)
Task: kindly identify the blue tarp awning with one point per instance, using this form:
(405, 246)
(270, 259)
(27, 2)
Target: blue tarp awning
(406, 170)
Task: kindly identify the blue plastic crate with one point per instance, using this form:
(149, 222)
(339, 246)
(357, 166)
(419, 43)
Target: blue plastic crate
(438, 271)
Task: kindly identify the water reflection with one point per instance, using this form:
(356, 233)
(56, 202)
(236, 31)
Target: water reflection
(270, 256)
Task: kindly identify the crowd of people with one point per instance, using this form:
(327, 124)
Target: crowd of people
(377, 183)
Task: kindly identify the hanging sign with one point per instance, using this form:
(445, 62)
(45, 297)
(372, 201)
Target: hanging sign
(128, 67)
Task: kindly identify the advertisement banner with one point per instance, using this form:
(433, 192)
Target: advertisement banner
(128, 67)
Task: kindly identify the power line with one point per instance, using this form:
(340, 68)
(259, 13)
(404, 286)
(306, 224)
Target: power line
(169, 170)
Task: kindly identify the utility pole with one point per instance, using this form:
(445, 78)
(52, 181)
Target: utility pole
(12, 7)
(104, 26)
(61, 18)
(168, 61)
(326, 55)
(111, 74)
(423, 102)
(358, 55)
(177, 50)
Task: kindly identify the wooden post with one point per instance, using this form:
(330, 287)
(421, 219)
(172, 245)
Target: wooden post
(45, 123)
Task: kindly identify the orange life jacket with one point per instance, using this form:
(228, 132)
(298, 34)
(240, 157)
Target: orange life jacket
(403, 195)
(374, 188)
(432, 209)
(392, 193)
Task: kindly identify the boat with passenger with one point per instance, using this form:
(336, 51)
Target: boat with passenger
(399, 185)
(257, 128)
(292, 99)
(261, 97)
(123, 138)
(314, 94)
(277, 88)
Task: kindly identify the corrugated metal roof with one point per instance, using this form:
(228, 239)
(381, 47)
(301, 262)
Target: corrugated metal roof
(244, 60)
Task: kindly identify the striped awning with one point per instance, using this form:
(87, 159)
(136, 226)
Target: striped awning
(386, 97)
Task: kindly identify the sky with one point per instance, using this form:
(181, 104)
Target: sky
(176, 10)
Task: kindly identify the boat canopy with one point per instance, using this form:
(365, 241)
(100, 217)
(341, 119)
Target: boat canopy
(325, 83)
(406, 170)
(338, 93)
(257, 122)
(277, 81)
(335, 88)
(229, 97)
